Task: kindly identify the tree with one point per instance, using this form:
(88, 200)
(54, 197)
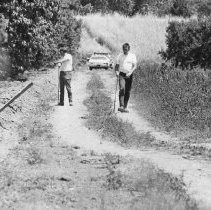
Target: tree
(98, 5)
(3, 34)
(181, 8)
(140, 6)
(34, 31)
(204, 9)
(124, 7)
(189, 44)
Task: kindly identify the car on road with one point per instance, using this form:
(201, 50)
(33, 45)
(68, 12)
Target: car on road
(100, 60)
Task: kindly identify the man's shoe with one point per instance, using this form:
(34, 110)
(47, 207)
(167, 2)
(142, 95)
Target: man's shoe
(70, 103)
(121, 108)
(61, 104)
(125, 110)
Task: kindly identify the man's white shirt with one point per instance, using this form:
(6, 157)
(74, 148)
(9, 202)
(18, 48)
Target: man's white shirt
(126, 62)
(66, 63)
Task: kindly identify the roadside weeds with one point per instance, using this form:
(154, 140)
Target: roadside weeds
(102, 119)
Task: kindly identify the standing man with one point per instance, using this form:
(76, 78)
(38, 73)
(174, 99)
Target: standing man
(65, 75)
(125, 65)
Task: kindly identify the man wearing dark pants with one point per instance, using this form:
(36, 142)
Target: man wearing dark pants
(125, 65)
(65, 76)
(65, 81)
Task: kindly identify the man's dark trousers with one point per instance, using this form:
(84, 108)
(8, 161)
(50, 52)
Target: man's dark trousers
(125, 84)
(65, 80)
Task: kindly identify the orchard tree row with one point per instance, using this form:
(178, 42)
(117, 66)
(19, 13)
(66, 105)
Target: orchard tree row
(189, 44)
(35, 30)
(183, 8)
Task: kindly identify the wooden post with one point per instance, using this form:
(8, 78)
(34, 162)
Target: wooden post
(16, 96)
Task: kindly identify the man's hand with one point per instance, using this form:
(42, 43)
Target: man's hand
(128, 75)
(59, 64)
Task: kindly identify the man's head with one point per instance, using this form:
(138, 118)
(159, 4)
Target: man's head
(126, 48)
(63, 51)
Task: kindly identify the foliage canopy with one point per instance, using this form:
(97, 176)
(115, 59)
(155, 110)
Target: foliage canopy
(37, 29)
(189, 44)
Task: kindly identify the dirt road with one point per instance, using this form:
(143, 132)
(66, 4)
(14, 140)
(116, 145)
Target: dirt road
(68, 124)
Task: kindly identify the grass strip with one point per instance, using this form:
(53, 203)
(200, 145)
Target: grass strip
(101, 118)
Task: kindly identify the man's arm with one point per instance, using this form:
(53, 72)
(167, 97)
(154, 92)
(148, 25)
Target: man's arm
(134, 66)
(61, 60)
(65, 58)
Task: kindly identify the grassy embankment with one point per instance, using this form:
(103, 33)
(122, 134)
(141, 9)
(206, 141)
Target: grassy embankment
(172, 99)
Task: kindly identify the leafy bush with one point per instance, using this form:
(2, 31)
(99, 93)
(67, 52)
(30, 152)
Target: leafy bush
(3, 34)
(159, 7)
(189, 44)
(124, 7)
(36, 29)
(4, 58)
(181, 8)
(140, 6)
(204, 9)
(169, 7)
(132, 7)
(83, 10)
(97, 5)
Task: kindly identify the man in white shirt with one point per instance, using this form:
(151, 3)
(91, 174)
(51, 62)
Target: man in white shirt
(65, 75)
(125, 65)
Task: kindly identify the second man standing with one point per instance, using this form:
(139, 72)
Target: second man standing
(65, 76)
(125, 65)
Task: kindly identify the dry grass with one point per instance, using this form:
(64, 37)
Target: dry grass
(89, 45)
(146, 34)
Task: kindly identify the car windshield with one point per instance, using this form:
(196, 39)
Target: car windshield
(98, 58)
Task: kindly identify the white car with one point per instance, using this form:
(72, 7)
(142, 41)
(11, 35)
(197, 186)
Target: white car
(100, 60)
